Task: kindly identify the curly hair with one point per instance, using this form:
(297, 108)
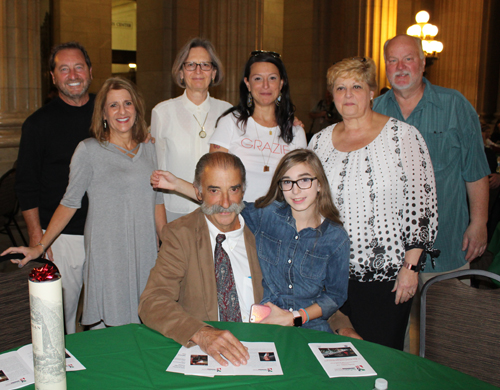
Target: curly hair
(358, 68)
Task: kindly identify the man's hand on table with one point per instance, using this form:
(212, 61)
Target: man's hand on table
(218, 343)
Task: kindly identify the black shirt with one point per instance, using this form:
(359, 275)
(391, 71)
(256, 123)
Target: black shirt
(49, 137)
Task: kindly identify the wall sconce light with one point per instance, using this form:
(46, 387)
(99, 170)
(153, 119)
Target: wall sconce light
(132, 67)
(426, 32)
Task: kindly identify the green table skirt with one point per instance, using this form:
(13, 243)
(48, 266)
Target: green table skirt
(136, 357)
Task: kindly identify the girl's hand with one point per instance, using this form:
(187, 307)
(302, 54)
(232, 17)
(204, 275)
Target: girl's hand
(164, 180)
(278, 316)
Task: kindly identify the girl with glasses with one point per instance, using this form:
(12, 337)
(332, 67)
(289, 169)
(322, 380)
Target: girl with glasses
(260, 129)
(303, 249)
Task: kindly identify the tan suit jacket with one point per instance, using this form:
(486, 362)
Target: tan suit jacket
(181, 291)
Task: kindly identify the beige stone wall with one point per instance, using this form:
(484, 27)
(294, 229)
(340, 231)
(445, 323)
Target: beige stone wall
(299, 48)
(19, 73)
(88, 22)
(273, 23)
(155, 25)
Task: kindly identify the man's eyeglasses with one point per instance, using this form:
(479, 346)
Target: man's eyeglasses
(193, 65)
(256, 53)
(303, 184)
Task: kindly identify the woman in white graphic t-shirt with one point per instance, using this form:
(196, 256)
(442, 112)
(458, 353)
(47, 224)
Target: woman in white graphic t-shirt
(260, 129)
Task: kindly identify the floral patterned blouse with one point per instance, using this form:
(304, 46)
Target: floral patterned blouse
(386, 195)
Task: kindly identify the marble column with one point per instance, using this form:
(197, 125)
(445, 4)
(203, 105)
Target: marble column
(19, 72)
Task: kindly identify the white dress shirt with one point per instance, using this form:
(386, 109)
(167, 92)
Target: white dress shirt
(178, 143)
(234, 245)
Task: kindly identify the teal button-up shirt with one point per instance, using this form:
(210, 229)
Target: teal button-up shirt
(451, 129)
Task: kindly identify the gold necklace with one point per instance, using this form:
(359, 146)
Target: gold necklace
(266, 164)
(202, 132)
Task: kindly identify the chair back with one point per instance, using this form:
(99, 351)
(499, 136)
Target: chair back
(15, 321)
(460, 325)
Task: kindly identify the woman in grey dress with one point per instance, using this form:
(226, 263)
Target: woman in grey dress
(125, 213)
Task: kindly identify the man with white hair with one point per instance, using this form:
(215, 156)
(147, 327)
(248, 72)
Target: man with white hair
(451, 129)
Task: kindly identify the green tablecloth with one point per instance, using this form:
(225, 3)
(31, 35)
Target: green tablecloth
(136, 357)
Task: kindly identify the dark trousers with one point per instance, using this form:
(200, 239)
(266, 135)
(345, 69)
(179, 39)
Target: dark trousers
(374, 315)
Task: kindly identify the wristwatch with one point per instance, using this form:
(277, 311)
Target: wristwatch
(412, 267)
(297, 318)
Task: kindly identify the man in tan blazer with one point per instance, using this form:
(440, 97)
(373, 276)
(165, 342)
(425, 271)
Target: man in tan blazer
(181, 292)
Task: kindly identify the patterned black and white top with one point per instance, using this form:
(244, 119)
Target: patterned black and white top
(386, 195)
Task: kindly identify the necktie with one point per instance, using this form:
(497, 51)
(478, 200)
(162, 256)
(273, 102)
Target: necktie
(227, 296)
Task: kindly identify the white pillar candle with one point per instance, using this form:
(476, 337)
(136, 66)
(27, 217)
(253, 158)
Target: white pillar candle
(47, 333)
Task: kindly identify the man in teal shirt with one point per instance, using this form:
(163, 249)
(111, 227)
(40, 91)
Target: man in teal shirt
(451, 129)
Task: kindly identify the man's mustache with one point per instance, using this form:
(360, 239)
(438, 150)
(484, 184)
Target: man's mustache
(217, 209)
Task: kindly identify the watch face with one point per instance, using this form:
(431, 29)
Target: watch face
(297, 321)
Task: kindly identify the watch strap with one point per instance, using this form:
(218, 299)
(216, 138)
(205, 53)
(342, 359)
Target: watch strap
(411, 267)
(297, 318)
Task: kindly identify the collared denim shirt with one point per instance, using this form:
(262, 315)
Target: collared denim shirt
(300, 268)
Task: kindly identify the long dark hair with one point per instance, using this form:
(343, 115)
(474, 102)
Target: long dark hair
(324, 202)
(284, 112)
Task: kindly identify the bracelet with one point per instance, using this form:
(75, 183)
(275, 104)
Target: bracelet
(306, 313)
(43, 247)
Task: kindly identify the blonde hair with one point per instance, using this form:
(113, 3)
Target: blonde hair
(139, 129)
(358, 68)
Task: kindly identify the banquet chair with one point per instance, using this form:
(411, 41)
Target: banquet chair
(15, 322)
(9, 206)
(460, 325)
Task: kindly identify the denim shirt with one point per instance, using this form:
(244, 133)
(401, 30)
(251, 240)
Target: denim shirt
(300, 268)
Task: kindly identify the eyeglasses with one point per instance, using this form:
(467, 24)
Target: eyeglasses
(193, 65)
(256, 53)
(303, 184)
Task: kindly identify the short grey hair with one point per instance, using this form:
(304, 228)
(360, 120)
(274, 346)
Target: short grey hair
(418, 43)
(220, 160)
(184, 53)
